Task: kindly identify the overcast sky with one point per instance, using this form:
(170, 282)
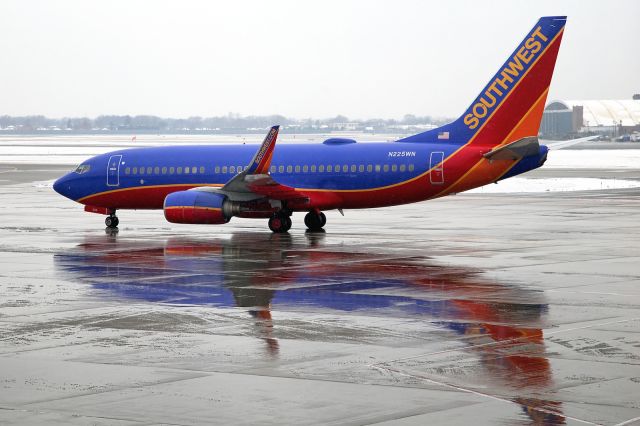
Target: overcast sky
(362, 59)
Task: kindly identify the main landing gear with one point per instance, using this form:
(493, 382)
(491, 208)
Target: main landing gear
(315, 220)
(112, 221)
(280, 222)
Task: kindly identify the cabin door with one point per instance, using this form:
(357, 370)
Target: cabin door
(436, 165)
(113, 170)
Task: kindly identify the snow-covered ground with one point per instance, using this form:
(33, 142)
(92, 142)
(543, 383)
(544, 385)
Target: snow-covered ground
(594, 159)
(528, 185)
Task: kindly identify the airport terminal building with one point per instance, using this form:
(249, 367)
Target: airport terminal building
(566, 118)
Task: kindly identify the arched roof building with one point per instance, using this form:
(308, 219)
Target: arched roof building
(566, 117)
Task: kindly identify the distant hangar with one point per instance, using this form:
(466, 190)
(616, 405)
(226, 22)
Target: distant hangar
(564, 118)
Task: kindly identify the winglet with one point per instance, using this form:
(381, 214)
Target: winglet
(262, 160)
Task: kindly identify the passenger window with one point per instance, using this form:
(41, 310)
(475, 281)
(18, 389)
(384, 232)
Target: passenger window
(156, 170)
(224, 169)
(201, 170)
(164, 170)
(289, 169)
(179, 170)
(369, 167)
(127, 170)
(186, 170)
(297, 169)
(329, 168)
(232, 169)
(337, 168)
(305, 168)
(361, 168)
(345, 168)
(239, 169)
(217, 169)
(280, 169)
(385, 168)
(149, 170)
(135, 170)
(377, 167)
(194, 170)
(403, 167)
(394, 168)
(411, 168)
(172, 170)
(273, 169)
(353, 168)
(321, 168)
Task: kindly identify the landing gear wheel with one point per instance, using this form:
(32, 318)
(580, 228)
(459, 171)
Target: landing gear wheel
(315, 221)
(280, 223)
(323, 219)
(112, 221)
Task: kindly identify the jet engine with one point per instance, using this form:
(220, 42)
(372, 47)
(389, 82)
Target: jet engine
(198, 207)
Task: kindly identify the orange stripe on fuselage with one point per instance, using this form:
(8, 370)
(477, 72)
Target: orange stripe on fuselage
(139, 197)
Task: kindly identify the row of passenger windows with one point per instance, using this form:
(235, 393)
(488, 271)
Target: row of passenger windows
(164, 170)
(328, 168)
(322, 168)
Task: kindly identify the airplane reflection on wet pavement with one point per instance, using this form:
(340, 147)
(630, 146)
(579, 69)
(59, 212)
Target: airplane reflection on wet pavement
(499, 323)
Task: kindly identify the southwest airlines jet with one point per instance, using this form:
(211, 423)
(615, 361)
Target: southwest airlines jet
(495, 138)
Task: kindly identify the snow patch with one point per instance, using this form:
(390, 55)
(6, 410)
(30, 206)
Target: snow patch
(593, 159)
(43, 184)
(524, 185)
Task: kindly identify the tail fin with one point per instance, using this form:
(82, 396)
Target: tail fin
(510, 106)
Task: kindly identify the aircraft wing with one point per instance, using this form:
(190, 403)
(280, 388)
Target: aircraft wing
(255, 182)
(266, 186)
(566, 144)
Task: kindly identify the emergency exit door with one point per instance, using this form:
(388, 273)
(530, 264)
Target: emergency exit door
(113, 170)
(436, 165)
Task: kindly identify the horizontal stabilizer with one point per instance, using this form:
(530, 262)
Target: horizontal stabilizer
(566, 144)
(515, 150)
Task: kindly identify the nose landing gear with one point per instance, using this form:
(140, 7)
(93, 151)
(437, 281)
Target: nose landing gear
(112, 221)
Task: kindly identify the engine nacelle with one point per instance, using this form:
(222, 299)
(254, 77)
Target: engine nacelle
(197, 207)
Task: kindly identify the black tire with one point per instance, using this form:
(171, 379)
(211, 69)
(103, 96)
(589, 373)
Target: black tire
(314, 221)
(308, 220)
(323, 220)
(279, 223)
(111, 222)
(287, 224)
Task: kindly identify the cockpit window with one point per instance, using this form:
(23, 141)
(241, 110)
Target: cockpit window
(82, 168)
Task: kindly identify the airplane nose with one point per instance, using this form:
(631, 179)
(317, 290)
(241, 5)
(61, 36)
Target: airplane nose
(57, 186)
(61, 186)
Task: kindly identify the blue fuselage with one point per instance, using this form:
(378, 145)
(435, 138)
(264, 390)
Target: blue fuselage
(339, 166)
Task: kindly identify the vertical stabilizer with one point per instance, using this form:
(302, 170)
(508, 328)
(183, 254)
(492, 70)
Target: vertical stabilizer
(510, 106)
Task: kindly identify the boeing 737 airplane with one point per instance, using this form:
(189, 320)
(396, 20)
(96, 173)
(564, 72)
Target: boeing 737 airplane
(495, 138)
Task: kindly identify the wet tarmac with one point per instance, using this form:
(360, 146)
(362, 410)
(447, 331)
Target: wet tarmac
(508, 309)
